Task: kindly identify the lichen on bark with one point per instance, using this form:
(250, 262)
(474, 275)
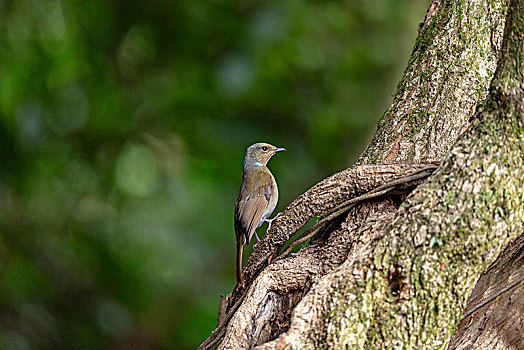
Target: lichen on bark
(472, 207)
(402, 270)
(444, 235)
(494, 315)
(452, 64)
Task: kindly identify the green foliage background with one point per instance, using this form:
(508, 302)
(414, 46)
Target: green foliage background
(122, 131)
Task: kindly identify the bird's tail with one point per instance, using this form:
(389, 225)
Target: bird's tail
(240, 247)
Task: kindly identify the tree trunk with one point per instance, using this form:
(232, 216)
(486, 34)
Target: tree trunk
(494, 316)
(396, 270)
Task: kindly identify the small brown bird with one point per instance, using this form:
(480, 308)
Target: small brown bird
(257, 198)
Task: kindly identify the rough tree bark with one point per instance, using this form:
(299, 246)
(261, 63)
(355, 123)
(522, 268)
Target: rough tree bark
(396, 271)
(494, 316)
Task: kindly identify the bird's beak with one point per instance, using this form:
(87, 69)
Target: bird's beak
(276, 150)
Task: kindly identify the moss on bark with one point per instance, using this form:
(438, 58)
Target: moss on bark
(447, 231)
(452, 64)
(405, 284)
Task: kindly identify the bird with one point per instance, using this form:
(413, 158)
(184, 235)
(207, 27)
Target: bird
(257, 198)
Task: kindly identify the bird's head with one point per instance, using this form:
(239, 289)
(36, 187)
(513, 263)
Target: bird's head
(260, 153)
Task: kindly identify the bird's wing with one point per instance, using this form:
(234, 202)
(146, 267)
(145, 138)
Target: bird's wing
(253, 202)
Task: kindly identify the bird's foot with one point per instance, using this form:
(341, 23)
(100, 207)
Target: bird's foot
(258, 240)
(270, 221)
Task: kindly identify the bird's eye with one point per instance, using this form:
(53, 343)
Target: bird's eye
(264, 148)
